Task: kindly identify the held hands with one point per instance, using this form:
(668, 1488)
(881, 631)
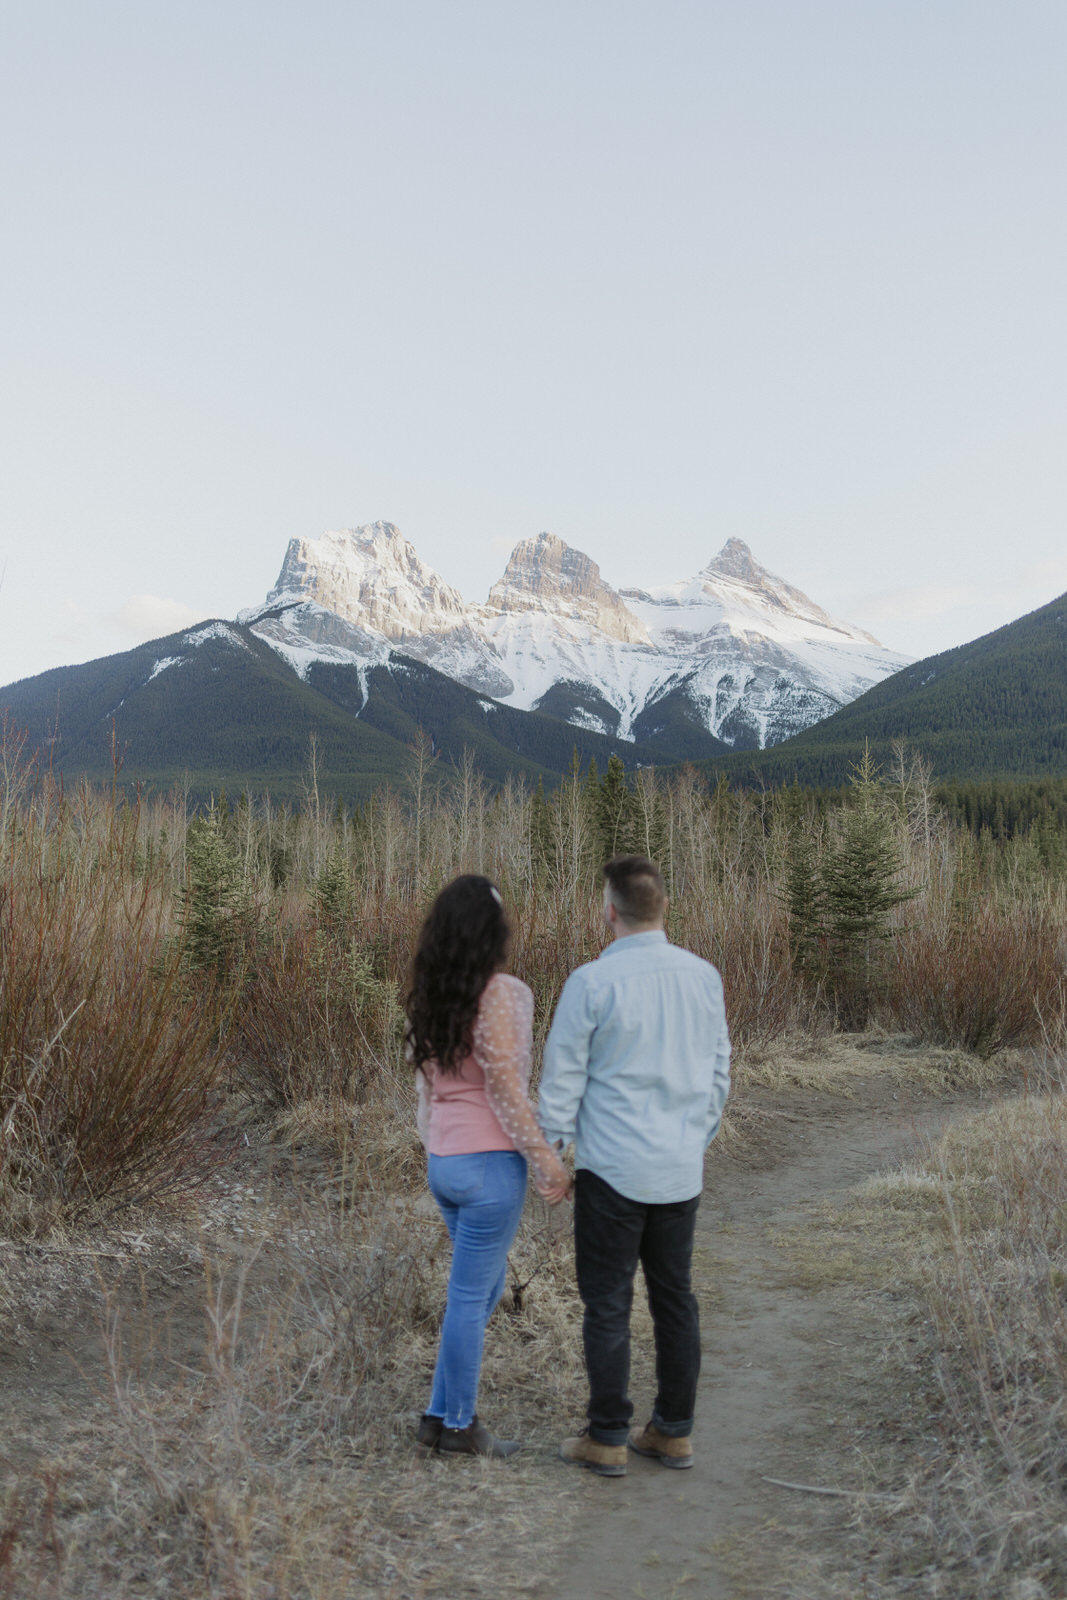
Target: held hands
(558, 1192)
(556, 1185)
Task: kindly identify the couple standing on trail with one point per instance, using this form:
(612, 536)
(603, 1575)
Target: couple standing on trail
(636, 1073)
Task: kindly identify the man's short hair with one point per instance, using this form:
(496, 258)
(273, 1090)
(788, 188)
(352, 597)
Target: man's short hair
(636, 888)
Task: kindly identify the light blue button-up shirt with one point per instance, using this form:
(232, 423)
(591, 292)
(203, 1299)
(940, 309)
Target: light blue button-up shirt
(637, 1067)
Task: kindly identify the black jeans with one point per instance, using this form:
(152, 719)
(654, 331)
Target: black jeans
(611, 1234)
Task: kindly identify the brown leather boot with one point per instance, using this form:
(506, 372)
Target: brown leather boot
(662, 1447)
(475, 1440)
(607, 1460)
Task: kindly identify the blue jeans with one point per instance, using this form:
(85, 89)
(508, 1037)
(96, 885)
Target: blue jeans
(481, 1198)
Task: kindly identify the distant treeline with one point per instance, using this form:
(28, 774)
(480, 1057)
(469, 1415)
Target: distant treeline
(1006, 808)
(999, 809)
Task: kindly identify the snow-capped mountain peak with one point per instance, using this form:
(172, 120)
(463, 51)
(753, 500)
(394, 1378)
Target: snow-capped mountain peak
(735, 560)
(735, 564)
(370, 576)
(732, 591)
(734, 651)
(544, 574)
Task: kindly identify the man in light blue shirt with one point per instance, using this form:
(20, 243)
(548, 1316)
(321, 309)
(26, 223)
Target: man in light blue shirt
(636, 1073)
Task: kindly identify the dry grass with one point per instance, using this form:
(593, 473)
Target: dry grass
(279, 1462)
(972, 1234)
(834, 1063)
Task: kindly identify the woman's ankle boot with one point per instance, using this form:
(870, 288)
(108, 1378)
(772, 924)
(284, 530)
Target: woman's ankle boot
(475, 1440)
(427, 1435)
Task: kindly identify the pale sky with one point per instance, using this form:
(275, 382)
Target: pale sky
(649, 276)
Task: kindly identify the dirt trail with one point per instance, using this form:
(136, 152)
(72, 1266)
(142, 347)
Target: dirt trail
(786, 1381)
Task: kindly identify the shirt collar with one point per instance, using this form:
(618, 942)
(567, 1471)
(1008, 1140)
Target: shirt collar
(634, 941)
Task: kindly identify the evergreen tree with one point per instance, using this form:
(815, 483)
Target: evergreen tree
(805, 899)
(540, 829)
(860, 882)
(334, 895)
(614, 811)
(217, 915)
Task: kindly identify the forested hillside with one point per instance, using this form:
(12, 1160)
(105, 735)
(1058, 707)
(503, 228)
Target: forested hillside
(996, 707)
(218, 708)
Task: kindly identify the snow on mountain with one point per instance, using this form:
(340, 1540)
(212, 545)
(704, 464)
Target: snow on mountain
(751, 658)
(763, 659)
(369, 575)
(214, 630)
(373, 578)
(192, 640)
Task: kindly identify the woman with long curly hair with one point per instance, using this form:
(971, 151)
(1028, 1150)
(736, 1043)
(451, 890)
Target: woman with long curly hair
(470, 1036)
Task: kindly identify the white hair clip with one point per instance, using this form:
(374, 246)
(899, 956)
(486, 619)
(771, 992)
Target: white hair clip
(497, 896)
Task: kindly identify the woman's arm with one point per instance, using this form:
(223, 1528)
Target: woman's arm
(422, 1108)
(503, 1043)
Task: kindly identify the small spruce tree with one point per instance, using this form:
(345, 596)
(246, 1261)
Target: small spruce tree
(615, 811)
(540, 829)
(334, 895)
(860, 886)
(217, 914)
(804, 899)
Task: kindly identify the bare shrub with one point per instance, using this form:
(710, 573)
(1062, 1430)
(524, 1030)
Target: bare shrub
(550, 941)
(314, 1021)
(107, 1066)
(304, 922)
(987, 979)
(746, 937)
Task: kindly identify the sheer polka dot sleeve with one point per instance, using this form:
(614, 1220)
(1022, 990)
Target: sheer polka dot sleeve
(422, 1107)
(503, 1045)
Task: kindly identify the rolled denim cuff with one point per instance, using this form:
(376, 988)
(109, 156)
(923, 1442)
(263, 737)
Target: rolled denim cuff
(672, 1430)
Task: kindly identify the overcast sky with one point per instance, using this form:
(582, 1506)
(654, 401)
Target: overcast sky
(649, 276)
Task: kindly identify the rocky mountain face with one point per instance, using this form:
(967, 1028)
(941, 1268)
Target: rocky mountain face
(734, 651)
(371, 576)
(546, 575)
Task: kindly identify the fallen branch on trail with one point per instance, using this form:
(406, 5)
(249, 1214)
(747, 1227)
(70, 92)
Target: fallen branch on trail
(813, 1488)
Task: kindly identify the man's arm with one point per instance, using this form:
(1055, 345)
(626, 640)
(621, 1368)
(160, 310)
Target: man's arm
(720, 1076)
(566, 1064)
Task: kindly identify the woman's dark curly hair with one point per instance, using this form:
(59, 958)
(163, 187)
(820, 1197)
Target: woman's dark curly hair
(463, 941)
